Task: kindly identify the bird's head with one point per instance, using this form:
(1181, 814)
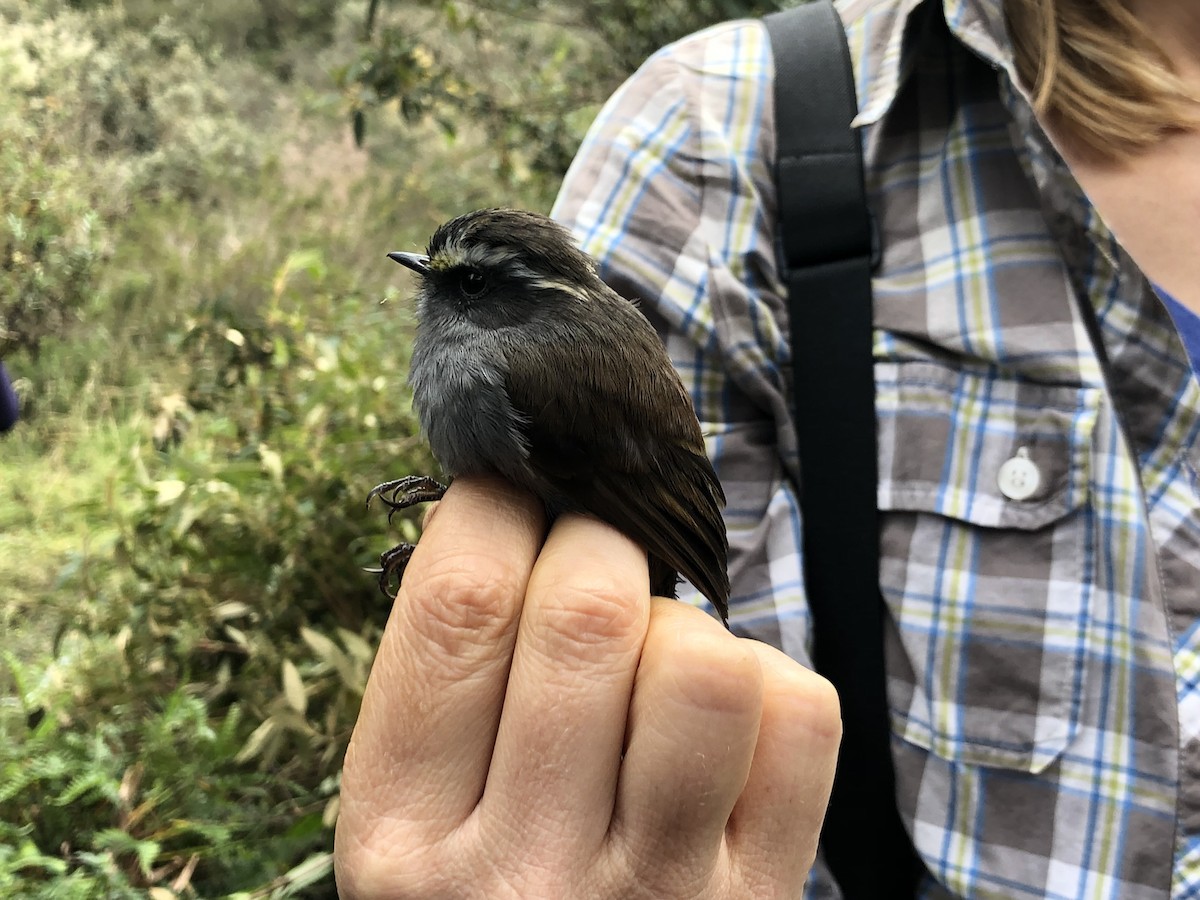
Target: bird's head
(500, 266)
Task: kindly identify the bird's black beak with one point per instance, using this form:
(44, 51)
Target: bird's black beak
(418, 262)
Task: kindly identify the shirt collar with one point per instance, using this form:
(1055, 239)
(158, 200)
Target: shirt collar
(887, 44)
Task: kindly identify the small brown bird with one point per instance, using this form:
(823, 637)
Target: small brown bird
(527, 365)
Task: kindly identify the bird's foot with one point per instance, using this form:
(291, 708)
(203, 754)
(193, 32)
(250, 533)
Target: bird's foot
(397, 495)
(393, 563)
(405, 492)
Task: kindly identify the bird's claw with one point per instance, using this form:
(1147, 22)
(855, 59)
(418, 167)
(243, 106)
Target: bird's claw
(397, 495)
(405, 492)
(393, 562)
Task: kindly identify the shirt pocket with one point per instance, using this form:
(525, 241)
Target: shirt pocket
(984, 576)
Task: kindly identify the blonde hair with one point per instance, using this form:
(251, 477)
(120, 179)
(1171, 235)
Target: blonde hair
(1097, 72)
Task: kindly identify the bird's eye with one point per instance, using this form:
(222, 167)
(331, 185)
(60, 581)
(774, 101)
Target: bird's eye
(472, 282)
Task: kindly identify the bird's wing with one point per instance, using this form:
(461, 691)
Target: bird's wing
(621, 442)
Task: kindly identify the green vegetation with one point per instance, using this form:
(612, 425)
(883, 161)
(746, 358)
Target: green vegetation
(195, 203)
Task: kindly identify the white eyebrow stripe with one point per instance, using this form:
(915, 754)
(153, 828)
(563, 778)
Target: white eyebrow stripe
(507, 259)
(565, 287)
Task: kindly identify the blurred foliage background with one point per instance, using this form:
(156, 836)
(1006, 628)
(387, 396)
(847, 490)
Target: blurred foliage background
(195, 203)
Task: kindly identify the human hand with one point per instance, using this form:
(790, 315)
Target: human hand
(536, 726)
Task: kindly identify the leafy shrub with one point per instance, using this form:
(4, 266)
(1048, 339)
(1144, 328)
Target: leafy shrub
(535, 116)
(272, 31)
(143, 796)
(96, 117)
(138, 105)
(286, 424)
(49, 242)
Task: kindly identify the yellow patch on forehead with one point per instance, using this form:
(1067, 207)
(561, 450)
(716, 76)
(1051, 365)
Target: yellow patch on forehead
(459, 253)
(447, 259)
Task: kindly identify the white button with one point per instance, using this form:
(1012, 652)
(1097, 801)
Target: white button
(1019, 478)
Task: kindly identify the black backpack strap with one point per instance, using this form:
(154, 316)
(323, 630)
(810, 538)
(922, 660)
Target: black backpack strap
(825, 255)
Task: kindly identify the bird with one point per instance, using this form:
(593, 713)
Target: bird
(527, 365)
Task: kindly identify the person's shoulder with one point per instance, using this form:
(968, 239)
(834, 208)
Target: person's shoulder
(741, 49)
(734, 48)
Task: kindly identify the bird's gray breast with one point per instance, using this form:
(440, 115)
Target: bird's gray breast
(457, 379)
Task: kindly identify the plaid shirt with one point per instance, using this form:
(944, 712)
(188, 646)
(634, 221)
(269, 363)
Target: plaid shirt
(1044, 673)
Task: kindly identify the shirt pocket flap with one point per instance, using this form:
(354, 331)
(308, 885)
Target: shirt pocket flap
(951, 441)
(981, 569)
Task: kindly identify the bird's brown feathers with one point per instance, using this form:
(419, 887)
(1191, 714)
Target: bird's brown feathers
(623, 444)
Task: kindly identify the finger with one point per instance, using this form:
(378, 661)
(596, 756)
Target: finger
(774, 828)
(423, 741)
(693, 725)
(559, 745)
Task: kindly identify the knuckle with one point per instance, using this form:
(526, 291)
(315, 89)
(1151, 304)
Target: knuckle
(576, 616)
(823, 694)
(800, 695)
(638, 870)
(460, 606)
(380, 864)
(718, 671)
(820, 706)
